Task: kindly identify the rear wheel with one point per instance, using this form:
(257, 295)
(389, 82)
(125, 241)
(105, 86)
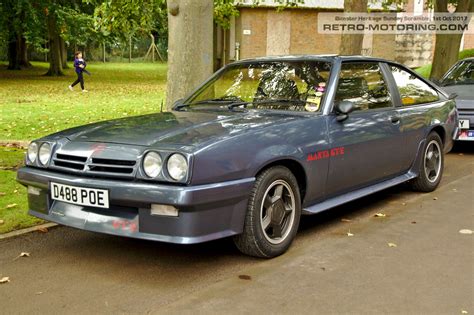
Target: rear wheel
(431, 166)
(273, 214)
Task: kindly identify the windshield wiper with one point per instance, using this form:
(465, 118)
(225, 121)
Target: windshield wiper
(270, 102)
(233, 104)
(220, 100)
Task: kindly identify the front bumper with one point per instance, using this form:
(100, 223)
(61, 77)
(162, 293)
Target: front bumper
(206, 212)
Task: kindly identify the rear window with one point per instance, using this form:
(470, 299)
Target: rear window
(413, 90)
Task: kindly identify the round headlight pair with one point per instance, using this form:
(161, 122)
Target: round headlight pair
(43, 154)
(177, 165)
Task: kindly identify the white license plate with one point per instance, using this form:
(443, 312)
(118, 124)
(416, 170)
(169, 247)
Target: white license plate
(80, 196)
(463, 124)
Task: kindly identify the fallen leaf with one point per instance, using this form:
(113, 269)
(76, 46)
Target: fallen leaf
(43, 230)
(435, 198)
(346, 220)
(13, 205)
(2, 194)
(22, 254)
(380, 215)
(465, 231)
(392, 245)
(5, 280)
(245, 277)
(349, 234)
(1, 222)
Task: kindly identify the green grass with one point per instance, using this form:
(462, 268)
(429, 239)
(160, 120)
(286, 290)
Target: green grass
(33, 105)
(13, 199)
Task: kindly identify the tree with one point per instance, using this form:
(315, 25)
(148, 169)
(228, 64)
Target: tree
(127, 18)
(447, 45)
(190, 46)
(55, 60)
(351, 44)
(21, 24)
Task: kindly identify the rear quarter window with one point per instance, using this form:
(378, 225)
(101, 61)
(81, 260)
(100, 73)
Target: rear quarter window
(413, 90)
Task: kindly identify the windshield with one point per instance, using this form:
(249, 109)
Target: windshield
(282, 85)
(462, 73)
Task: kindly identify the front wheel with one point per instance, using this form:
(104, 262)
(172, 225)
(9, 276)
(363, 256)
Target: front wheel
(273, 214)
(431, 166)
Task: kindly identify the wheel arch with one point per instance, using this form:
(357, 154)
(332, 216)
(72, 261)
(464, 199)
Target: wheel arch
(295, 167)
(439, 129)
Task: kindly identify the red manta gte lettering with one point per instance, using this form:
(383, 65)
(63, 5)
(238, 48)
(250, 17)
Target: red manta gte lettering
(325, 154)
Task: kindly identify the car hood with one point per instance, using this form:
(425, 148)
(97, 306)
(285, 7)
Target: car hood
(175, 128)
(465, 98)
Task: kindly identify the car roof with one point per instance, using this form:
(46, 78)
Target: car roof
(330, 57)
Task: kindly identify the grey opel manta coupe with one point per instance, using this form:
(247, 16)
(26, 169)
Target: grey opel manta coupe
(259, 144)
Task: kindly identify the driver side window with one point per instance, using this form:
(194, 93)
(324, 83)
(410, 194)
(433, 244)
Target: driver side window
(363, 84)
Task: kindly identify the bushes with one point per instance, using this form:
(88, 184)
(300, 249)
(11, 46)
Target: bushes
(466, 53)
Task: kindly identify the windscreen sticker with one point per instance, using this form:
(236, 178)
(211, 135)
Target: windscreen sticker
(312, 104)
(325, 154)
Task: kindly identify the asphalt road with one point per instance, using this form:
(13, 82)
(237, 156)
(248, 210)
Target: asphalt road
(428, 269)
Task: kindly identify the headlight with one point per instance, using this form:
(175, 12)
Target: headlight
(177, 166)
(32, 152)
(44, 153)
(152, 164)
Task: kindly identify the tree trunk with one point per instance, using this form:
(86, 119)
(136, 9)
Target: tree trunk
(13, 60)
(130, 49)
(190, 46)
(351, 44)
(63, 52)
(23, 53)
(55, 63)
(447, 46)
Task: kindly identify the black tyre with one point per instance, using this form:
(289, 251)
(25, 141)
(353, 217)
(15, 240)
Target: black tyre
(431, 165)
(273, 214)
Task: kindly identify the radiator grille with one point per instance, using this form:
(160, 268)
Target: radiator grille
(94, 165)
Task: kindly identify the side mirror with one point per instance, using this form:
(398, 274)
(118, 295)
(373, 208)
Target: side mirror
(343, 109)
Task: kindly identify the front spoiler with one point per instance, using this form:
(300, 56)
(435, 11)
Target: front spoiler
(206, 212)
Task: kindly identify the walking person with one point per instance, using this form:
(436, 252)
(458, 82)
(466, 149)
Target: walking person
(80, 67)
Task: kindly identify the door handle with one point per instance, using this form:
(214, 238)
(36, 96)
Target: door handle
(395, 119)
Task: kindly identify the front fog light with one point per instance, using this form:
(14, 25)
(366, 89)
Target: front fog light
(32, 152)
(177, 166)
(166, 210)
(152, 164)
(44, 153)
